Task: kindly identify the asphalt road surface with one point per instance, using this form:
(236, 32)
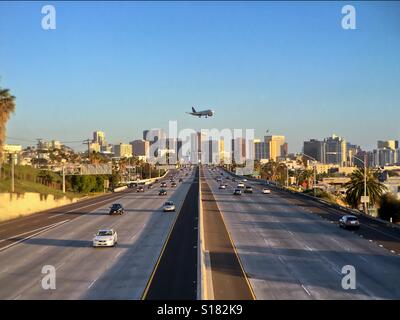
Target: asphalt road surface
(63, 238)
(228, 279)
(175, 276)
(290, 249)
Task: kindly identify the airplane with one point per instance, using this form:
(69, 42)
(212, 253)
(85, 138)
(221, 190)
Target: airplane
(205, 113)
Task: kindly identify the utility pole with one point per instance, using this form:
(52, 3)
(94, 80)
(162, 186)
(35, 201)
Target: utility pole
(315, 179)
(63, 179)
(287, 176)
(87, 141)
(12, 174)
(364, 199)
(365, 184)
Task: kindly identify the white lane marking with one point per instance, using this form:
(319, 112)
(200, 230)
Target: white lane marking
(117, 255)
(22, 234)
(305, 289)
(17, 297)
(308, 248)
(32, 235)
(55, 216)
(92, 283)
(60, 265)
(334, 268)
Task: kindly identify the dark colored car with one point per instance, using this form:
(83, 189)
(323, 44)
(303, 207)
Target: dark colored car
(162, 192)
(237, 192)
(150, 186)
(140, 189)
(173, 184)
(163, 184)
(116, 208)
(180, 179)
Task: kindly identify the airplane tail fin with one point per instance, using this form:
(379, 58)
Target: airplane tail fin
(193, 109)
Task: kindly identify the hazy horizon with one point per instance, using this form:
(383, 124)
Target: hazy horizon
(288, 67)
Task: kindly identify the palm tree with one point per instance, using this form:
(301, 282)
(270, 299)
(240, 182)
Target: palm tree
(355, 188)
(7, 106)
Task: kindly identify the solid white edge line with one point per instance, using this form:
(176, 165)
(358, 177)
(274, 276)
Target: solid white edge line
(35, 234)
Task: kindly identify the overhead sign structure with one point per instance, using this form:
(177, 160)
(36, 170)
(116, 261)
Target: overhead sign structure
(88, 169)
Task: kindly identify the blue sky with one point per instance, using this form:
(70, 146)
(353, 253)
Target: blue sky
(122, 67)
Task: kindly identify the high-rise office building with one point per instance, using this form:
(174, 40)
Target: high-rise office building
(154, 135)
(277, 146)
(388, 144)
(315, 149)
(261, 150)
(140, 148)
(335, 150)
(123, 150)
(100, 138)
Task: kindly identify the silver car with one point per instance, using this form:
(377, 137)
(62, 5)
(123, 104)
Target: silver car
(349, 221)
(105, 238)
(169, 206)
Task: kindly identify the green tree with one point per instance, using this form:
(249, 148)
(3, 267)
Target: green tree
(355, 188)
(7, 107)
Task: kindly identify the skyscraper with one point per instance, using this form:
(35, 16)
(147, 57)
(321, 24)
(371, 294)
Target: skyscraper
(315, 149)
(99, 137)
(335, 150)
(276, 146)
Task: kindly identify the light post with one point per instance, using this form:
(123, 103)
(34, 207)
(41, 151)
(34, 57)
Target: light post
(315, 172)
(287, 176)
(365, 199)
(12, 174)
(63, 179)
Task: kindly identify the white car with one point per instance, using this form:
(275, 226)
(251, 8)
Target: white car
(222, 186)
(266, 191)
(240, 185)
(169, 206)
(244, 180)
(105, 238)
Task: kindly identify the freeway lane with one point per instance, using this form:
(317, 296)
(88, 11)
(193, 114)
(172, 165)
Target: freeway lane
(12, 230)
(175, 275)
(83, 272)
(290, 253)
(228, 280)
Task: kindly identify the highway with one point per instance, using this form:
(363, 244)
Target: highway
(175, 274)
(62, 238)
(290, 250)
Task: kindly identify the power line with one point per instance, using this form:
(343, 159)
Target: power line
(27, 140)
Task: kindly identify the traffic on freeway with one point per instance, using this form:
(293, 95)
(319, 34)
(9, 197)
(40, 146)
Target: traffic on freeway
(127, 245)
(290, 250)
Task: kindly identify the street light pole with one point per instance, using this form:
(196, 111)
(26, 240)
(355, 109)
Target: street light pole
(12, 174)
(63, 179)
(365, 203)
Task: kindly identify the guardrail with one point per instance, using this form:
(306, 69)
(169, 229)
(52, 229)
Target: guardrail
(119, 189)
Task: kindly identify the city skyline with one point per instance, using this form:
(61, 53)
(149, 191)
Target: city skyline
(255, 65)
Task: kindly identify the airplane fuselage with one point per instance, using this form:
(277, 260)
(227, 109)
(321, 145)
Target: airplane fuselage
(205, 113)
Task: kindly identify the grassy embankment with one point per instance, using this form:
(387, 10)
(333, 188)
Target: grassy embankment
(28, 179)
